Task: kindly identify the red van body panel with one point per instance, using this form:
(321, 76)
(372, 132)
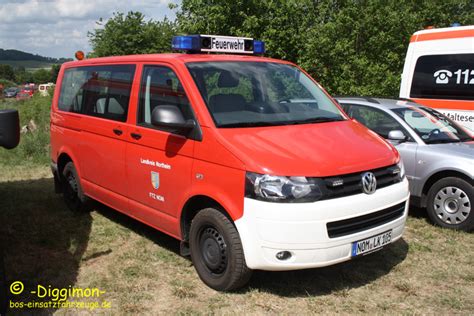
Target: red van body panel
(151, 178)
(321, 149)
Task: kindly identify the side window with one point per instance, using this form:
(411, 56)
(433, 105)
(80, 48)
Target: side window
(376, 120)
(70, 99)
(444, 77)
(345, 107)
(102, 91)
(161, 86)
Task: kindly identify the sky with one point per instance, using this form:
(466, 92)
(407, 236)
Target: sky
(58, 28)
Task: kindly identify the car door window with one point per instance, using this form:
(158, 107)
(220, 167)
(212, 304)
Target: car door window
(160, 86)
(377, 120)
(101, 91)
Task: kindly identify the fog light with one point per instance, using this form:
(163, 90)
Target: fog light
(283, 255)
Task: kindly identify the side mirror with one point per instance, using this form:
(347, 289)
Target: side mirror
(170, 116)
(396, 135)
(9, 129)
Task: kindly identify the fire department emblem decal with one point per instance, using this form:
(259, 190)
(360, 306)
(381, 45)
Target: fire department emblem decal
(155, 180)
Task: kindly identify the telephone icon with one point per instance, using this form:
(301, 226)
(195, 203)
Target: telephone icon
(442, 76)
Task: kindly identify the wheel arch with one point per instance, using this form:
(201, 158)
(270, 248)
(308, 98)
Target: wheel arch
(438, 176)
(63, 159)
(192, 206)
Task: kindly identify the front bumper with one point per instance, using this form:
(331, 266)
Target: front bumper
(267, 228)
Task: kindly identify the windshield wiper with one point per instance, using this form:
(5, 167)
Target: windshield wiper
(279, 123)
(316, 120)
(251, 124)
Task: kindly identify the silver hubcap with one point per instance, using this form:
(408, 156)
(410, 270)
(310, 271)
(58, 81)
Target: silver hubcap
(452, 205)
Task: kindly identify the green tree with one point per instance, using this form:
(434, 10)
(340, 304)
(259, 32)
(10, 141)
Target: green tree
(54, 73)
(131, 34)
(42, 76)
(23, 76)
(351, 47)
(6, 72)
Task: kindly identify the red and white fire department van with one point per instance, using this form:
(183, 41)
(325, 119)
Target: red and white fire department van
(245, 159)
(439, 72)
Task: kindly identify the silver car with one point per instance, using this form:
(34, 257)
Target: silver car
(437, 153)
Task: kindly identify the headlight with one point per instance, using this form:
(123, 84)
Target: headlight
(402, 169)
(281, 189)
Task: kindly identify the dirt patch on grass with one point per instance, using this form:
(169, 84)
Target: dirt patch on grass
(429, 271)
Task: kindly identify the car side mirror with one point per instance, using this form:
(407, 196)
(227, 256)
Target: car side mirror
(397, 135)
(9, 129)
(170, 116)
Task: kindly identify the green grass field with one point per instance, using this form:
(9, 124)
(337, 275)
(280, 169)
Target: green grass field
(34, 146)
(429, 271)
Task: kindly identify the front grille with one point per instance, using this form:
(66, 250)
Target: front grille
(352, 183)
(364, 222)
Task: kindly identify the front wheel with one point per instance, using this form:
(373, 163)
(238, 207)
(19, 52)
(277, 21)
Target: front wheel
(450, 204)
(216, 251)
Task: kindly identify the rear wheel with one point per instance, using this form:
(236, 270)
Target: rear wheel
(73, 195)
(216, 251)
(450, 204)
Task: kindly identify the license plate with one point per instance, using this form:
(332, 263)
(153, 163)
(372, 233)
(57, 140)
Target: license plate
(371, 244)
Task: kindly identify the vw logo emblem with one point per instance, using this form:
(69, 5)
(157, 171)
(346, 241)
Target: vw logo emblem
(369, 183)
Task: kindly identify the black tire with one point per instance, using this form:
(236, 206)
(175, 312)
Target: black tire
(450, 204)
(222, 266)
(73, 195)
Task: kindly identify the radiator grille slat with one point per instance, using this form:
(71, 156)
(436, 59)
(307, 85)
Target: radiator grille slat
(352, 183)
(364, 222)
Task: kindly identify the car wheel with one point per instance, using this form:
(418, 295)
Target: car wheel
(450, 204)
(216, 251)
(73, 195)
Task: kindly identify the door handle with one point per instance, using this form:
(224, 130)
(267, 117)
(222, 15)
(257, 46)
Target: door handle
(118, 131)
(136, 136)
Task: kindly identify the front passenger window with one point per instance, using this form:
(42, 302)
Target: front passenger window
(160, 86)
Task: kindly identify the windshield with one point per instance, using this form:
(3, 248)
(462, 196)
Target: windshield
(247, 94)
(433, 127)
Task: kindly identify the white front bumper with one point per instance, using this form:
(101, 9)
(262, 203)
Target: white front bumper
(300, 228)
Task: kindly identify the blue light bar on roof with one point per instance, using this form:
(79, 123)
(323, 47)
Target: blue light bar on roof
(190, 42)
(258, 47)
(217, 44)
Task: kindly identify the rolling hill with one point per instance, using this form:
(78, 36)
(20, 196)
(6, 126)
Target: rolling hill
(17, 58)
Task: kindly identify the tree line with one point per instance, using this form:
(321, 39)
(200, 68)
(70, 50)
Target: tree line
(352, 47)
(18, 75)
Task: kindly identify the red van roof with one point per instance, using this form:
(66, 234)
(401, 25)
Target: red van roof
(184, 58)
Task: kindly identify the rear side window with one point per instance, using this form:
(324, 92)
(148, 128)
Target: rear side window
(101, 91)
(444, 77)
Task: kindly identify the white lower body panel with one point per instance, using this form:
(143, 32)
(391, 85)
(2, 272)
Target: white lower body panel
(267, 228)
